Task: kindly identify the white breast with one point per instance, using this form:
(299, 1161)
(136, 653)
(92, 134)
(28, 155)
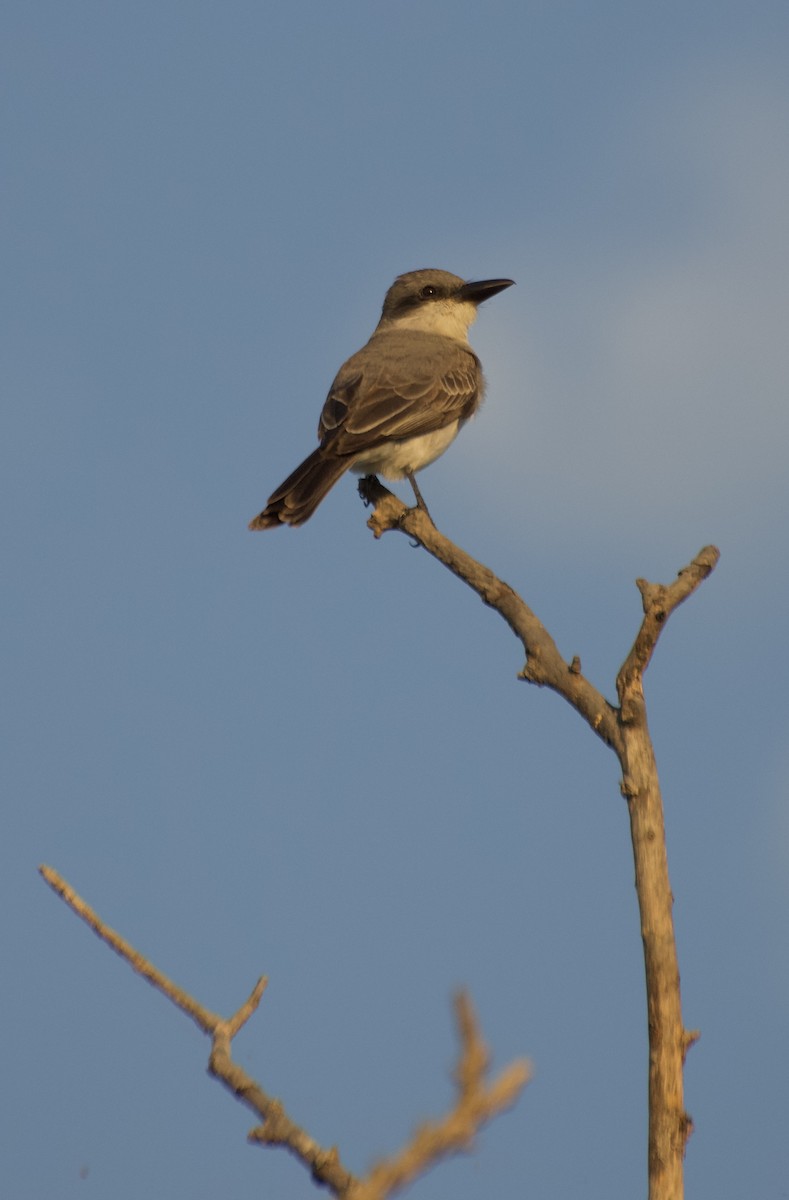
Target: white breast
(395, 459)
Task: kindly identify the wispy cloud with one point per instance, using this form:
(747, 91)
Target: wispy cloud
(657, 370)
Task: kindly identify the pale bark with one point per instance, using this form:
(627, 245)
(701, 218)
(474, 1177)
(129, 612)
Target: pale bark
(624, 729)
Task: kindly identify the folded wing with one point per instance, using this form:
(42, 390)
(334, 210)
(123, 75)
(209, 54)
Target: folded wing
(388, 391)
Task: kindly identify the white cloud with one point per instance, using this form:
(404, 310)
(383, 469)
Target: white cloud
(656, 374)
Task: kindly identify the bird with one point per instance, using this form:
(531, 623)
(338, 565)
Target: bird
(400, 401)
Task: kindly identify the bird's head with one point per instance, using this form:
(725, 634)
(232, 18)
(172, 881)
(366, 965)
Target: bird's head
(436, 301)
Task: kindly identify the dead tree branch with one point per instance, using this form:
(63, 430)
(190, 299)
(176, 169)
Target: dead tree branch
(477, 1102)
(545, 666)
(624, 729)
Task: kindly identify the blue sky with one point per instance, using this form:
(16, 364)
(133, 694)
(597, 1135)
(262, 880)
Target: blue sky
(306, 753)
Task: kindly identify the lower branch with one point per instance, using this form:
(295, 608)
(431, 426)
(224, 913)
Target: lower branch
(478, 1101)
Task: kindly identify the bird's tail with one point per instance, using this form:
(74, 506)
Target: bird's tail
(297, 498)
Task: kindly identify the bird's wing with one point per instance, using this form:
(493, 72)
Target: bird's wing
(401, 384)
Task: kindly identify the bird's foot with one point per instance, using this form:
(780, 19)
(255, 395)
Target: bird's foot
(365, 486)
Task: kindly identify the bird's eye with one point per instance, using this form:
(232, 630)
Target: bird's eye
(427, 291)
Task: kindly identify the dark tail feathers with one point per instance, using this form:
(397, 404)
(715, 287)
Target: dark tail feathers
(297, 498)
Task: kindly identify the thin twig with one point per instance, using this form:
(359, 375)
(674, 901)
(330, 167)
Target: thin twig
(658, 601)
(203, 1017)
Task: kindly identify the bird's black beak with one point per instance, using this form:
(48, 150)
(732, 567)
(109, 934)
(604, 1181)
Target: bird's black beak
(483, 289)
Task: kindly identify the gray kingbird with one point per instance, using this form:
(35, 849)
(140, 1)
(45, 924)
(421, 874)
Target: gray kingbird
(398, 403)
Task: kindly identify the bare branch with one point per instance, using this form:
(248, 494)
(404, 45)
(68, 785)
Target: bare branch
(625, 730)
(206, 1020)
(544, 664)
(659, 601)
(477, 1102)
(277, 1127)
(670, 1126)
